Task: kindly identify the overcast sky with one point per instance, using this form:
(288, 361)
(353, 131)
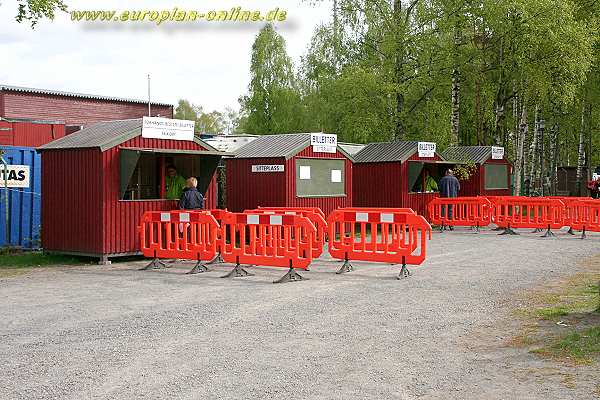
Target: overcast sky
(206, 63)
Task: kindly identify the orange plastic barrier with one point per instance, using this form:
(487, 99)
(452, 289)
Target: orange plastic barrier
(191, 235)
(401, 237)
(266, 239)
(460, 211)
(584, 215)
(314, 217)
(316, 210)
(510, 212)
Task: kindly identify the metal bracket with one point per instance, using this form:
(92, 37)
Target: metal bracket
(570, 231)
(508, 231)
(291, 276)
(537, 230)
(198, 269)
(217, 260)
(237, 272)
(548, 233)
(346, 267)
(404, 272)
(154, 264)
(583, 236)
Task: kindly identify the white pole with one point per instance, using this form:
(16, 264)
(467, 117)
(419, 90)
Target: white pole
(149, 111)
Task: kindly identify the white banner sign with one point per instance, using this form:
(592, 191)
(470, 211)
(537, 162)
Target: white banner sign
(165, 128)
(267, 168)
(18, 176)
(323, 142)
(427, 149)
(497, 153)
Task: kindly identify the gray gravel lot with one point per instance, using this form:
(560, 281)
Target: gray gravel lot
(117, 333)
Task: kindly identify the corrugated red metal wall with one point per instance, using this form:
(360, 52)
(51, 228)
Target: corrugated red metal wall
(475, 185)
(73, 110)
(327, 204)
(377, 184)
(417, 201)
(246, 189)
(29, 134)
(72, 201)
(121, 218)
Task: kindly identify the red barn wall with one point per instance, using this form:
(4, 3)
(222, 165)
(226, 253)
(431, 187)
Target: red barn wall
(73, 110)
(72, 201)
(326, 204)
(29, 134)
(246, 189)
(377, 184)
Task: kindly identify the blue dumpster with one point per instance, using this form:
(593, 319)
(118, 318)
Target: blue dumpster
(24, 198)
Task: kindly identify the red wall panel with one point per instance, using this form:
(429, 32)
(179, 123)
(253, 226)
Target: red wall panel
(29, 134)
(377, 184)
(73, 110)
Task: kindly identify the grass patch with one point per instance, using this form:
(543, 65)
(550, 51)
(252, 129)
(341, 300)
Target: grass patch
(581, 347)
(38, 259)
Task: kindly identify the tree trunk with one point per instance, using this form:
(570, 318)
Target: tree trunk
(581, 152)
(553, 170)
(478, 110)
(499, 134)
(533, 156)
(398, 66)
(456, 91)
(522, 135)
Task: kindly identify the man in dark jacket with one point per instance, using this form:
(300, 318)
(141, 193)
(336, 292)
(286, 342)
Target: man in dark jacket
(191, 199)
(449, 187)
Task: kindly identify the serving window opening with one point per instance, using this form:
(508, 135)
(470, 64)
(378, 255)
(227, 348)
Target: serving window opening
(423, 177)
(143, 174)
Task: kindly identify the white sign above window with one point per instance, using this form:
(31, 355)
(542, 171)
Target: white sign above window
(323, 142)
(427, 149)
(17, 176)
(497, 153)
(165, 128)
(267, 168)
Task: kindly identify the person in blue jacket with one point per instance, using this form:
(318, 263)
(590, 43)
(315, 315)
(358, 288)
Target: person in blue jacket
(191, 199)
(449, 186)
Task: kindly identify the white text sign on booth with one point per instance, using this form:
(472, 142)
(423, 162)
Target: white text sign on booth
(17, 175)
(497, 153)
(267, 168)
(323, 142)
(165, 128)
(427, 149)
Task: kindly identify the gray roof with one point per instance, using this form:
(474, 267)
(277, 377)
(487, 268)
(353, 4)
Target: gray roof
(105, 135)
(386, 152)
(352, 148)
(474, 154)
(79, 95)
(282, 145)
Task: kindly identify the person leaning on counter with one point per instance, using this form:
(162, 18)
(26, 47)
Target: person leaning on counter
(174, 183)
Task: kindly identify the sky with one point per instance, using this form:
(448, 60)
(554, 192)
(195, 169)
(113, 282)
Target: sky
(207, 63)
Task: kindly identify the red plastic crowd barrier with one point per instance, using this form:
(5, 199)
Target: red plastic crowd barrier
(270, 240)
(316, 210)
(460, 211)
(315, 217)
(584, 215)
(385, 235)
(191, 235)
(528, 212)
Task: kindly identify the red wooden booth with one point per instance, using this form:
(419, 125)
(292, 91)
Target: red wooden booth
(492, 177)
(391, 174)
(285, 171)
(98, 182)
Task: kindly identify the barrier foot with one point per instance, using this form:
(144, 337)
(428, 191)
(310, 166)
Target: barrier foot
(537, 230)
(496, 229)
(442, 228)
(291, 276)
(154, 264)
(570, 231)
(404, 272)
(237, 272)
(198, 269)
(583, 233)
(548, 233)
(475, 229)
(217, 260)
(346, 267)
(508, 231)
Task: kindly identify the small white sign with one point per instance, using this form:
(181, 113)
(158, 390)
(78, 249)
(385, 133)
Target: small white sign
(165, 128)
(17, 176)
(497, 153)
(427, 149)
(267, 168)
(323, 142)
(305, 172)
(595, 176)
(336, 175)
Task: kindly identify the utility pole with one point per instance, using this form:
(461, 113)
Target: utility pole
(149, 109)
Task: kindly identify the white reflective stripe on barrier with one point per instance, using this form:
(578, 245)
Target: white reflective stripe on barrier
(269, 212)
(385, 217)
(275, 220)
(252, 220)
(362, 217)
(290, 213)
(184, 217)
(165, 217)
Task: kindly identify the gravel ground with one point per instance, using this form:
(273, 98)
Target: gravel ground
(118, 333)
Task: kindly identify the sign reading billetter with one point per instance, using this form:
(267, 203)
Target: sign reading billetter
(497, 153)
(427, 149)
(267, 168)
(17, 176)
(165, 128)
(323, 142)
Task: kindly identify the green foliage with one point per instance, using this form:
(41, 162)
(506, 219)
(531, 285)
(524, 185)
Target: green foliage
(214, 122)
(36, 259)
(34, 10)
(463, 172)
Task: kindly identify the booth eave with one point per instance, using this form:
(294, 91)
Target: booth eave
(177, 151)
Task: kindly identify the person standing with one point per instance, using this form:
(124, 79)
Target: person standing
(191, 199)
(174, 183)
(429, 184)
(449, 187)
